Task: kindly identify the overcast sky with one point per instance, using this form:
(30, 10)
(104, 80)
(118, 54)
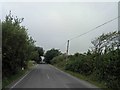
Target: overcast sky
(51, 24)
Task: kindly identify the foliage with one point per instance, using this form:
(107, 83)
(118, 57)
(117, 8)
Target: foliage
(101, 62)
(50, 54)
(39, 52)
(59, 61)
(80, 63)
(18, 47)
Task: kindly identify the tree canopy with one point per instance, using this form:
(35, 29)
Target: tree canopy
(18, 48)
(50, 54)
(40, 52)
(101, 62)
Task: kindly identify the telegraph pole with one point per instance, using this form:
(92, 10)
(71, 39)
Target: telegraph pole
(67, 47)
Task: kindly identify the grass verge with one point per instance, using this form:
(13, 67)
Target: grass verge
(86, 78)
(8, 80)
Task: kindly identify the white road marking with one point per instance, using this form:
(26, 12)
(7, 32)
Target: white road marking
(48, 76)
(21, 79)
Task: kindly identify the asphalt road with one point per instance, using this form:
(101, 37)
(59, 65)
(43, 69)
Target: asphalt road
(0, 70)
(47, 76)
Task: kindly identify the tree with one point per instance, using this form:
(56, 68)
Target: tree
(107, 54)
(40, 52)
(17, 46)
(105, 41)
(102, 62)
(50, 54)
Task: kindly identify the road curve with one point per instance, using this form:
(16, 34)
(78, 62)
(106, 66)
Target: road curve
(47, 76)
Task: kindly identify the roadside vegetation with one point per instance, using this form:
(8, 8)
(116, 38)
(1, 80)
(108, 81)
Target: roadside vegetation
(18, 49)
(50, 54)
(100, 65)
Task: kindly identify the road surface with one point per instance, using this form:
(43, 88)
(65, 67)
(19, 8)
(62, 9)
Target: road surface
(0, 70)
(47, 76)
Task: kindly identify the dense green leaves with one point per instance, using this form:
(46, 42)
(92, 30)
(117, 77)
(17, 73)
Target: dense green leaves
(80, 64)
(50, 54)
(40, 52)
(101, 62)
(59, 61)
(18, 48)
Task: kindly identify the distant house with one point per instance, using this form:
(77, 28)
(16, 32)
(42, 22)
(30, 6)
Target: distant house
(42, 61)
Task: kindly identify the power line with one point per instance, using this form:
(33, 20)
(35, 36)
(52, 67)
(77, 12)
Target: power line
(63, 44)
(95, 28)
(91, 30)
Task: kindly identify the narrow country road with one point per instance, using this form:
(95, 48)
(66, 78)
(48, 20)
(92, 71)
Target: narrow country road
(47, 76)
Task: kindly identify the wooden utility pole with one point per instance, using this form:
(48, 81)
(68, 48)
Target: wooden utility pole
(118, 39)
(67, 47)
(67, 50)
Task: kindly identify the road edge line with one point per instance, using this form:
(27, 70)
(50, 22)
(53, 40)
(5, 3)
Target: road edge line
(89, 84)
(21, 78)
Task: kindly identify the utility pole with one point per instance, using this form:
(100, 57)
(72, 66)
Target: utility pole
(67, 47)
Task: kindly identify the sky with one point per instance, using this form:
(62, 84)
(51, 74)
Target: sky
(51, 24)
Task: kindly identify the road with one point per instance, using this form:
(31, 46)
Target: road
(47, 76)
(0, 70)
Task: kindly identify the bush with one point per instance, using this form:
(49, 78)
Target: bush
(59, 61)
(79, 64)
(102, 63)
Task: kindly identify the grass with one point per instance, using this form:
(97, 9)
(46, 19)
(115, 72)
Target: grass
(86, 78)
(8, 80)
